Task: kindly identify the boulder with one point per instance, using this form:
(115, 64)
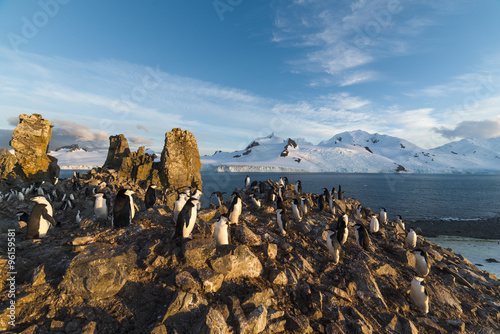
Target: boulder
(99, 271)
(183, 311)
(180, 163)
(236, 262)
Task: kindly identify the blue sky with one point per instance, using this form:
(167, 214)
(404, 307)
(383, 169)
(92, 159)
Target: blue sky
(233, 70)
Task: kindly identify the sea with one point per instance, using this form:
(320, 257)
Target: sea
(413, 196)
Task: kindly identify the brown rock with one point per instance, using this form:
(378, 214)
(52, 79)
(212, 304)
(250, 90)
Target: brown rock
(118, 149)
(180, 163)
(99, 271)
(210, 280)
(298, 324)
(30, 141)
(244, 235)
(236, 261)
(185, 281)
(198, 251)
(212, 322)
(184, 309)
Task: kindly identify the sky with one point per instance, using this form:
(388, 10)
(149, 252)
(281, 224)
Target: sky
(230, 71)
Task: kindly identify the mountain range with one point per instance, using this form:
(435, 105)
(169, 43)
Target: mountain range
(359, 152)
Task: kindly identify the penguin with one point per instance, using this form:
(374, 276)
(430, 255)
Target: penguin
(282, 220)
(321, 202)
(333, 192)
(297, 210)
(271, 196)
(287, 183)
(220, 197)
(399, 221)
(303, 205)
(358, 212)
(40, 191)
(383, 216)
(374, 224)
(123, 209)
(333, 246)
(221, 231)
(340, 193)
(187, 219)
(418, 294)
(255, 201)
(235, 208)
(362, 237)
(71, 197)
(422, 264)
(411, 239)
(281, 183)
(179, 204)
(20, 196)
(342, 229)
(196, 195)
(247, 181)
(328, 198)
(78, 219)
(40, 219)
(100, 206)
(298, 187)
(150, 197)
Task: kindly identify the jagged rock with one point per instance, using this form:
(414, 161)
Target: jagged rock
(99, 271)
(298, 324)
(212, 323)
(258, 298)
(8, 163)
(271, 251)
(236, 261)
(118, 149)
(180, 163)
(39, 275)
(211, 281)
(186, 282)
(367, 286)
(257, 320)
(245, 236)
(196, 252)
(183, 311)
(31, 140)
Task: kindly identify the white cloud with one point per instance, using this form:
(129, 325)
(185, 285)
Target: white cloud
(472, 129)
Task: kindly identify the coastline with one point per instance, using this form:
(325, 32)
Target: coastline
(478, 229)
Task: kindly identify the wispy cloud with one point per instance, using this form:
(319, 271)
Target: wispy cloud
(340, 40)
(142, 127)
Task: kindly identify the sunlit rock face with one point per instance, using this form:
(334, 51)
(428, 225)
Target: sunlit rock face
(30, 142)
(180, 163)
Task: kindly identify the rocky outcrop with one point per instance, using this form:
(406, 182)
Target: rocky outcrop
(31, 140)
(180, 163)
(179, 166)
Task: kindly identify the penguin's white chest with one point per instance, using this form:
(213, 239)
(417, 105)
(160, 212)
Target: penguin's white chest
(43, 227)
(100, 208)
(220, 233)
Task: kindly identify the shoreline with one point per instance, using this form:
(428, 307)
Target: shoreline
(478, 229)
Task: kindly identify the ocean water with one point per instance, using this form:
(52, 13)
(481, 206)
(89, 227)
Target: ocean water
(413, 196)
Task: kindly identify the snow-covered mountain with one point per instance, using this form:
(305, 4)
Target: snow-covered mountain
(359, 152)
(78, 158)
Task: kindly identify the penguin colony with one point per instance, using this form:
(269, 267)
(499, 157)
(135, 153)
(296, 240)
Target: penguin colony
(188, 203)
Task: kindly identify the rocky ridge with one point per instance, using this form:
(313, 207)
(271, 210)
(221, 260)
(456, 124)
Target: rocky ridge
(86, 278)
